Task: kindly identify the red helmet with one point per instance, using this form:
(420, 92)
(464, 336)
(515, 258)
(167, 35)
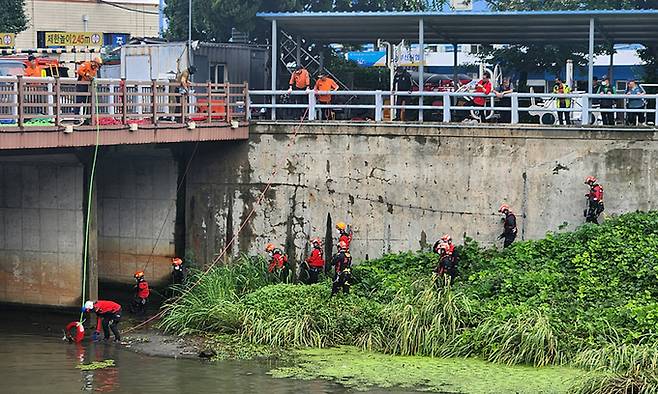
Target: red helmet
(342, 245)
(316, 242)
(176, 261)
(269, 247)
(446, 238)
(503, 208)
(139, 275)
(590, 180)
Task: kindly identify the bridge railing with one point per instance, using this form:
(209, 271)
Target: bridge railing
(44, 102)
(513, 108)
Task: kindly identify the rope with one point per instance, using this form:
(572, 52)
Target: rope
(259, 200)
(92, 176)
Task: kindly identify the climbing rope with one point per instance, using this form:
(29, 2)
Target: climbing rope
(228, 245)
(92, 176)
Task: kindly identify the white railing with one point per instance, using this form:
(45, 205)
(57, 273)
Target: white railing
(584, 109)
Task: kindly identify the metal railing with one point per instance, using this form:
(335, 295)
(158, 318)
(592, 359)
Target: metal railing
(512, 108)
(62, 101)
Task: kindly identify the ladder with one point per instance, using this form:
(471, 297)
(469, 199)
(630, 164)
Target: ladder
(311, 62)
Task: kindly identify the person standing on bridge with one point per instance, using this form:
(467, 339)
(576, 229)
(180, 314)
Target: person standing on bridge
(607, 104)
(401, 83)
(562, 103)
(86, 73)
(109, 316)
(483, 86)
(509, 225)
(315, 261)
(594, 200)
(33, 69)
(299, 81)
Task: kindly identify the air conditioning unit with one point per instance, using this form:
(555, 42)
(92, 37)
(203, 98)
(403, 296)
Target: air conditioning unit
(461, 5)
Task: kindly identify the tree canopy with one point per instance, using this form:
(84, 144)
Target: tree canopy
(13, 18)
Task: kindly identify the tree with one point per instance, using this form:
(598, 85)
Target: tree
(13, 18)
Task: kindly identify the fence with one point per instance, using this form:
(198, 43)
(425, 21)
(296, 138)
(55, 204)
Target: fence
(58, 101)
(512, 108)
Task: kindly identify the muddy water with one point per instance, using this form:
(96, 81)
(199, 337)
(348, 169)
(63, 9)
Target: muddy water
(34, 359)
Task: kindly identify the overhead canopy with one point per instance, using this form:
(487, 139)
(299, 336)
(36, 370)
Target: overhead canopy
(521, 27)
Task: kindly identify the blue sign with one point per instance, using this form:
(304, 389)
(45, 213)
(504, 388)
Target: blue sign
(116, 39)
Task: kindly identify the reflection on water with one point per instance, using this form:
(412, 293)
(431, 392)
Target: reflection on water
(34, 359)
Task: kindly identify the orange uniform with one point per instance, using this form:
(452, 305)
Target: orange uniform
(325, 84)
(87, 71)
(33, 70)
(300, 79)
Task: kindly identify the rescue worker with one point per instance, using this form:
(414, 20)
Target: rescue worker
(560, 103)
(402, 82)
(344, 233)
(74, 332)
(33, 69)
(509, 225)
(483, 86)
(447, 263)
(325, 84)
(342, 261)
(299, 81)
(594, 200)
(184, 81)
(109, 312)
(278, 261)
(447, 239)
(86, 73)
(141, 294)
(315, 261)
(178, 272)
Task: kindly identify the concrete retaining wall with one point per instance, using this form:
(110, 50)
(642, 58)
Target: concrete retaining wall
(136, 204)
(41, 222)
(402, 187)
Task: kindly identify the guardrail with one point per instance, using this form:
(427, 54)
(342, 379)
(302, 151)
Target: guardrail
(61, 101)
(512, 108)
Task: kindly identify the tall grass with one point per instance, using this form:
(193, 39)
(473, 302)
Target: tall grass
(529, 338)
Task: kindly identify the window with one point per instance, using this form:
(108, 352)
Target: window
(218, 73)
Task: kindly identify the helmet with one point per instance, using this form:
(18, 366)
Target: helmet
(342, 245)
(443, 247)
(590, 180)
(98, 60)
(269, 247)
(176, 261)
(89, 305)
(503, 208)
(446, 238)
(341, 225)
(316, 241)
(139, 275)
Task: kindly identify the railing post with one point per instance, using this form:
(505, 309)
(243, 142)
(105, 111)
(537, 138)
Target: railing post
(378, 105)
(124, 101)
(584, 115)
(312, 115)
(209, 88)
(514, 116)
(183, 106)
(58, 101)
(154, 101)
(49, 100)
(229, 117)
(247, 101)
(20, 95)
(655, 118)
(446, 108)
(110, 99)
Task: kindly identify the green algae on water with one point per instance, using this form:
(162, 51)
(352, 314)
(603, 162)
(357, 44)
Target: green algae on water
(362, 370)
(96, 365)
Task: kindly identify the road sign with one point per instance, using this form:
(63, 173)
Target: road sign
(68, 39)
(8, 40)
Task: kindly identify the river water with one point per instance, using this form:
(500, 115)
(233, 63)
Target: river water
(34, 359)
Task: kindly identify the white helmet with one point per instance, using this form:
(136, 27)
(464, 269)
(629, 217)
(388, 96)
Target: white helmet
(89, 305)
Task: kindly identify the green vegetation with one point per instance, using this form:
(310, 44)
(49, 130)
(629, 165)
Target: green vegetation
(96, 365)
(585, 298)
(362, 370)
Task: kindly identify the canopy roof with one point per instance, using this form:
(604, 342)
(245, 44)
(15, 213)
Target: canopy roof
(519, 27)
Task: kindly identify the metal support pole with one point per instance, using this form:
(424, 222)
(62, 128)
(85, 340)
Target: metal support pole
(590, 58)
(446, 108)
(514, 116)
(298, 51)
(611, 65)
(189, 32)
(275, 65)
(161, 17)
(421, 67)
(455, 74)
(311, 105)
(584, 114)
